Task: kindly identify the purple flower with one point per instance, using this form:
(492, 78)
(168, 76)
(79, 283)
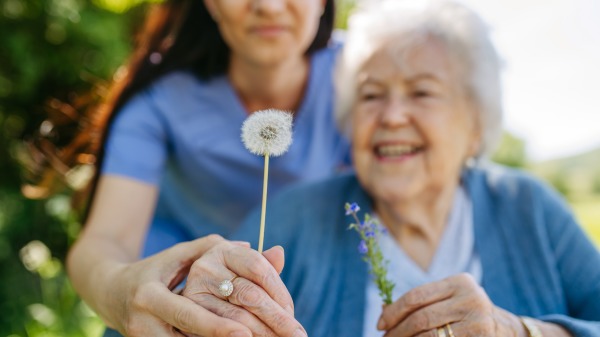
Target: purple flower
(369, 231)
(362, 247)
(352, 208)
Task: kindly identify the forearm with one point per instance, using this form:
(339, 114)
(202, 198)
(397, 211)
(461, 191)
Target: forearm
(93, 264)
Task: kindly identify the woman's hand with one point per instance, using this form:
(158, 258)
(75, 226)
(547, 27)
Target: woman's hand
(144, 304)
(259, 299)
(458, 301)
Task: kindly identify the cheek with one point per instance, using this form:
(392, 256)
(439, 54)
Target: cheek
(362, 130)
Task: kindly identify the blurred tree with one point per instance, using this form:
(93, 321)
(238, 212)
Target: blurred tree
(596, 186)
(50, 49)
(511, 151)
(343, 10)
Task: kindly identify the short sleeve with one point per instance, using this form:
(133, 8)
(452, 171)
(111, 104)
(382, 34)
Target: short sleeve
(136, 146)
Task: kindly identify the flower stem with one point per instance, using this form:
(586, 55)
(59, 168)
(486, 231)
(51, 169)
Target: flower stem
(263, 211)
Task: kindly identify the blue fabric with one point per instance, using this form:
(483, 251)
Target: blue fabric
(183, 135)
(536, 260)
(455, 254)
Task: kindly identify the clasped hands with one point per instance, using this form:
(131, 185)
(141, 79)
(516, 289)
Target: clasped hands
(260, 305)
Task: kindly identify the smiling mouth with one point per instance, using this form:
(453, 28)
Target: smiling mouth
(269, 30)
(396, 151)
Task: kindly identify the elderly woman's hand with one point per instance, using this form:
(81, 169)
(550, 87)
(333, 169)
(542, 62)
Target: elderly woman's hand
(257, 297)
(458, 301)
(144, 305)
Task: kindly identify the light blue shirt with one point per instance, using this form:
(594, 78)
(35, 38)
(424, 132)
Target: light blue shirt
(182, 134)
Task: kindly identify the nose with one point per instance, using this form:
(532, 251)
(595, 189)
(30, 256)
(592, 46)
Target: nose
(396, 113)
(268, 6)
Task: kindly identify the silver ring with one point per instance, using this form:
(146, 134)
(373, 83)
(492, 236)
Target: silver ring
(226, 287)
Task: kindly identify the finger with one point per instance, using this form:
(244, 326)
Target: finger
(276, 257)
(225, 309)
(253, 298)
(241, 243)
(182, 255)
(251, 265)
(453, 330)
(430, 318)
(413, 300)
(430, 333)
(188, 317)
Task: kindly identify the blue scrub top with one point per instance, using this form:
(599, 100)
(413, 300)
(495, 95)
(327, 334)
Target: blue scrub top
(182, 134)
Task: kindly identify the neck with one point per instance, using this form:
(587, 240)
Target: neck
(279, 86)
(419, 223)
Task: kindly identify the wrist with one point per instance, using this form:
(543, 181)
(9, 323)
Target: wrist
(106, 295)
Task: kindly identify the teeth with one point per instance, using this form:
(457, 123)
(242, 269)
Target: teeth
(395, 150)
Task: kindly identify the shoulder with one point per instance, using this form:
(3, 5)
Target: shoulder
(176, 97)
(174, 84)
(319, 194)
(512, 185)
(520, 203)
(165, 88)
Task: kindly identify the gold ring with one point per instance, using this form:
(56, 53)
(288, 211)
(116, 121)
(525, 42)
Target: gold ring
(441, 332)
(450, 332)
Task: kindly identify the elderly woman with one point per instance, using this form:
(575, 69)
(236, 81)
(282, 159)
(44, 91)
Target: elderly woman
(474, 249)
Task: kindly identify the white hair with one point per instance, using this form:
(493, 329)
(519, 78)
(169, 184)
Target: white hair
(402, 25)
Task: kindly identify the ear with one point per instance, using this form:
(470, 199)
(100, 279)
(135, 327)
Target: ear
(212, 9)
(475, 146)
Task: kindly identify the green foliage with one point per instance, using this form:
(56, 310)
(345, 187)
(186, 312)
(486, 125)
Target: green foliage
(343, 10)
(577, 176)
(50, 49)
(511, 151)
(587, 211)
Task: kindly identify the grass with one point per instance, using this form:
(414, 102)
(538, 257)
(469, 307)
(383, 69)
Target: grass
(588, 213)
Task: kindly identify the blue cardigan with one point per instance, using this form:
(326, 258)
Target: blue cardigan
(536, 260)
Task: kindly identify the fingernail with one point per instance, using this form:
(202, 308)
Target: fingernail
(299, 333)
(240, 334)
(278, 248)
(381, 324)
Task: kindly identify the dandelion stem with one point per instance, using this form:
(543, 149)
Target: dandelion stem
(263, 211)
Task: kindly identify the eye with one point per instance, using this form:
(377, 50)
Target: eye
(370, 96)
(370, 93)
(422, 94)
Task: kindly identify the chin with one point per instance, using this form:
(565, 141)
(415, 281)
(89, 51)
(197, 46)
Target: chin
(391, 192)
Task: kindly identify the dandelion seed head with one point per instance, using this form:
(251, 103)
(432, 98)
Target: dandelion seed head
(268, 132)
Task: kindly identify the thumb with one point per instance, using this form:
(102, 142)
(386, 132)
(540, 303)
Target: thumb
(276, 256)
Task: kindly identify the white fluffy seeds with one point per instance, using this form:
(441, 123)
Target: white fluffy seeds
(268, 132)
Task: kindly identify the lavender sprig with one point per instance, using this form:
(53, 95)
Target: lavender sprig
(370, 230)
